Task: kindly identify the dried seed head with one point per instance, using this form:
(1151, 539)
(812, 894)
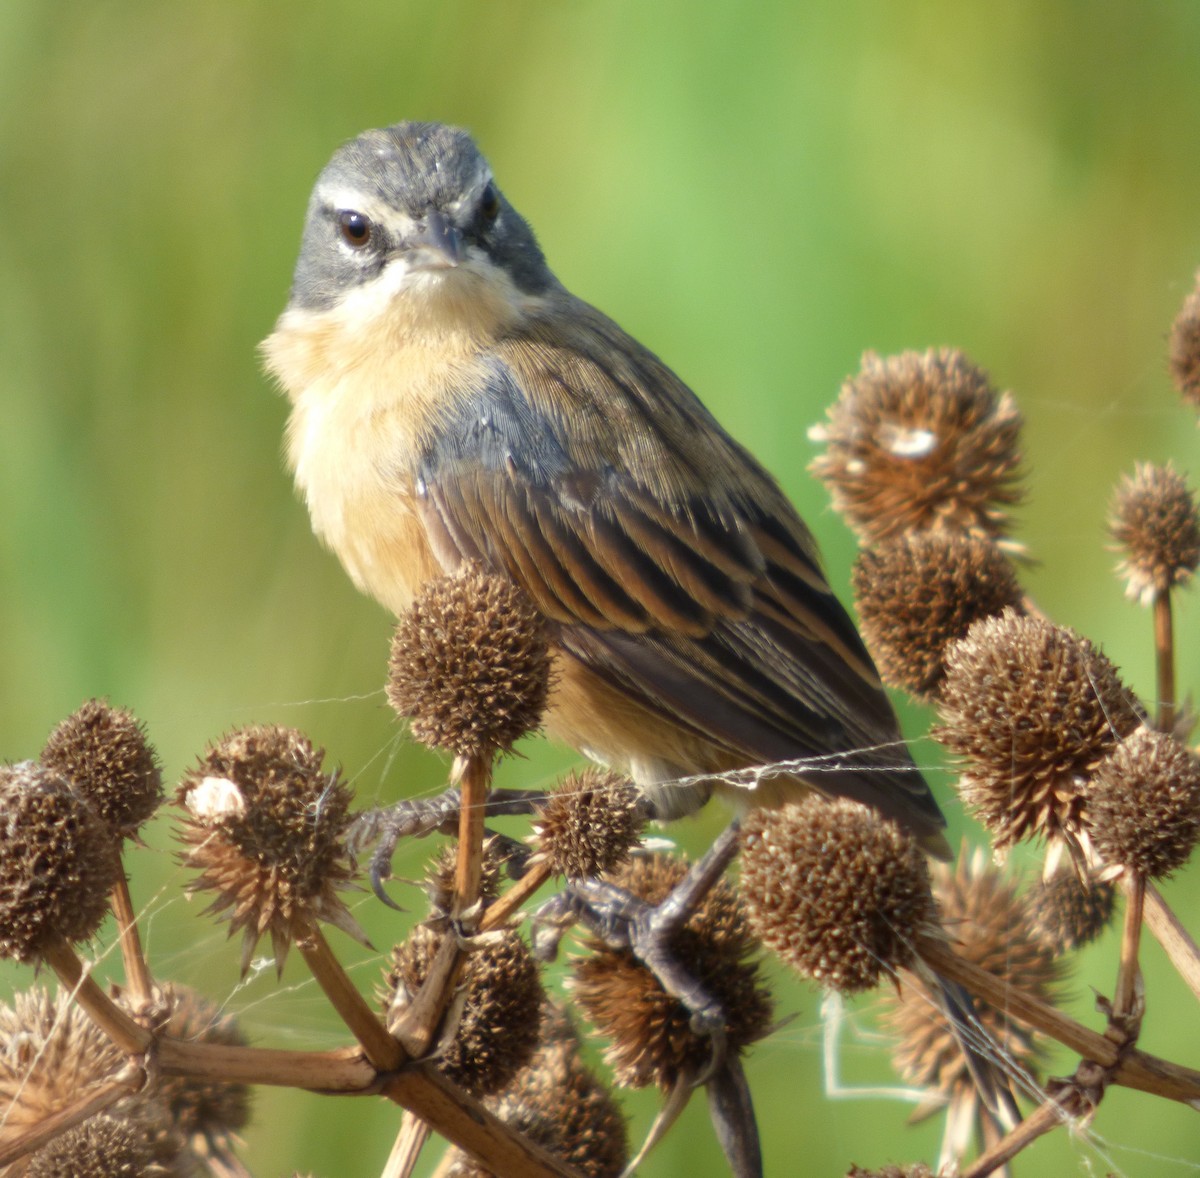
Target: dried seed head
(470, 664)
(649, 1032)
(1143, 805)
(1155, 524)
(267, 831)
(921, 441)
(991, 928)
(918, 592)
(589, 825)
(54, 1057)
(103, 752)
(557, 1102)
(1069, 914)
(440, 872)
(206, 1114)
(1185, 348)
(1032, 708)
(834, 890)
(503, 1002)
(102, 1147)
(58, 862)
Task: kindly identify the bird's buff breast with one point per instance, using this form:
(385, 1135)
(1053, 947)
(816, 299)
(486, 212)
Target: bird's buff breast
(353, 439)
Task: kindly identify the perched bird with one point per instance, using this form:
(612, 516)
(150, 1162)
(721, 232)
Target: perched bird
(452, 402)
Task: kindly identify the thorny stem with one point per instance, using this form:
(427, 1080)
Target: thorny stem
(139, 986)
(380, 1047)
(1164, 651)
(129, 1079)
(1176, 941)
(128, 1035)
(1134, 1068)
(1128, 972)
(1049, 1115)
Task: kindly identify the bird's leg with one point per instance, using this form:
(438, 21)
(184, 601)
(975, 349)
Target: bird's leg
(419, 817)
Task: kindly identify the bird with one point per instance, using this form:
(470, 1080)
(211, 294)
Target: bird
(453, 404)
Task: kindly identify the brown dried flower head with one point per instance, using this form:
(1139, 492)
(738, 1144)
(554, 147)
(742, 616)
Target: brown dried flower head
(991, 927)
(834, 890)
(503, 1003)
(918, 592)
(589, 824)
(267, 831)
(1068, 913)
(58, 862)
(440, 872)
(54, 1057)
(556, 1101)
(206, 1114)
(1156, 526)
(1031, 708)
(103, 752)
(1185, 348)
(104, 1146)
(649, 1032)
(921, 441)
(1143, 805)
(470, 664)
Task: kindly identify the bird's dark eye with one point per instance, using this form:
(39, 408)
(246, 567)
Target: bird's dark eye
(355, 228)
(489, 202)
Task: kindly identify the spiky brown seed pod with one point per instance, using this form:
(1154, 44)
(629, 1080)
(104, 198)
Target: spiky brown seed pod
(991, 927)
(1185, 348)
(649, 1032)
(1031, 708)
(206, 1114)
(835, 891)
(1068, 913)
(503, 1003)
(557, 1102)
(58, 862)
(439, 879)
(103, 752)
(1157, 529)
(470, 664)
(919, 441)
(1143, 805)
(266, 829)
(54, 1056)
(589, 824)
(918, 592)
(101, 1147)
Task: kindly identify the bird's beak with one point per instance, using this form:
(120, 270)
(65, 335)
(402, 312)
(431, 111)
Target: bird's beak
(437, 245)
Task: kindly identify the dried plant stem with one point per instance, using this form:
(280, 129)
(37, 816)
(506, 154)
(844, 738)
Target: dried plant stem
(417, 1026)
(128, 1035)
(1164, 653)
(343, 1070)
(500, 910)
(411, 1139)
(129, 1079)
(139, 986)
(473, 774)
(380, 1047)
(1134, 1069)
(1125, 1000)
(1049, 1115)
(465, 1122)
(1176, 941)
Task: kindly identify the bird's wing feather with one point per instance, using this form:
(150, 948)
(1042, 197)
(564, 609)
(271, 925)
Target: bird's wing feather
(696, 591)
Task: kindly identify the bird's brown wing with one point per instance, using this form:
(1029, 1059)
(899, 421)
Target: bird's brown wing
(671, 563)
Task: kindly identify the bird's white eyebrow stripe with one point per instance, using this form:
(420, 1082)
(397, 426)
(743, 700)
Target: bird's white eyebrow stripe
(341, 197)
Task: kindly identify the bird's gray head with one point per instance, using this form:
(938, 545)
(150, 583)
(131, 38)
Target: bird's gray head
(414, 199)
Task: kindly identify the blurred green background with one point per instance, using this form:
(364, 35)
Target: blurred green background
(758, 191)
